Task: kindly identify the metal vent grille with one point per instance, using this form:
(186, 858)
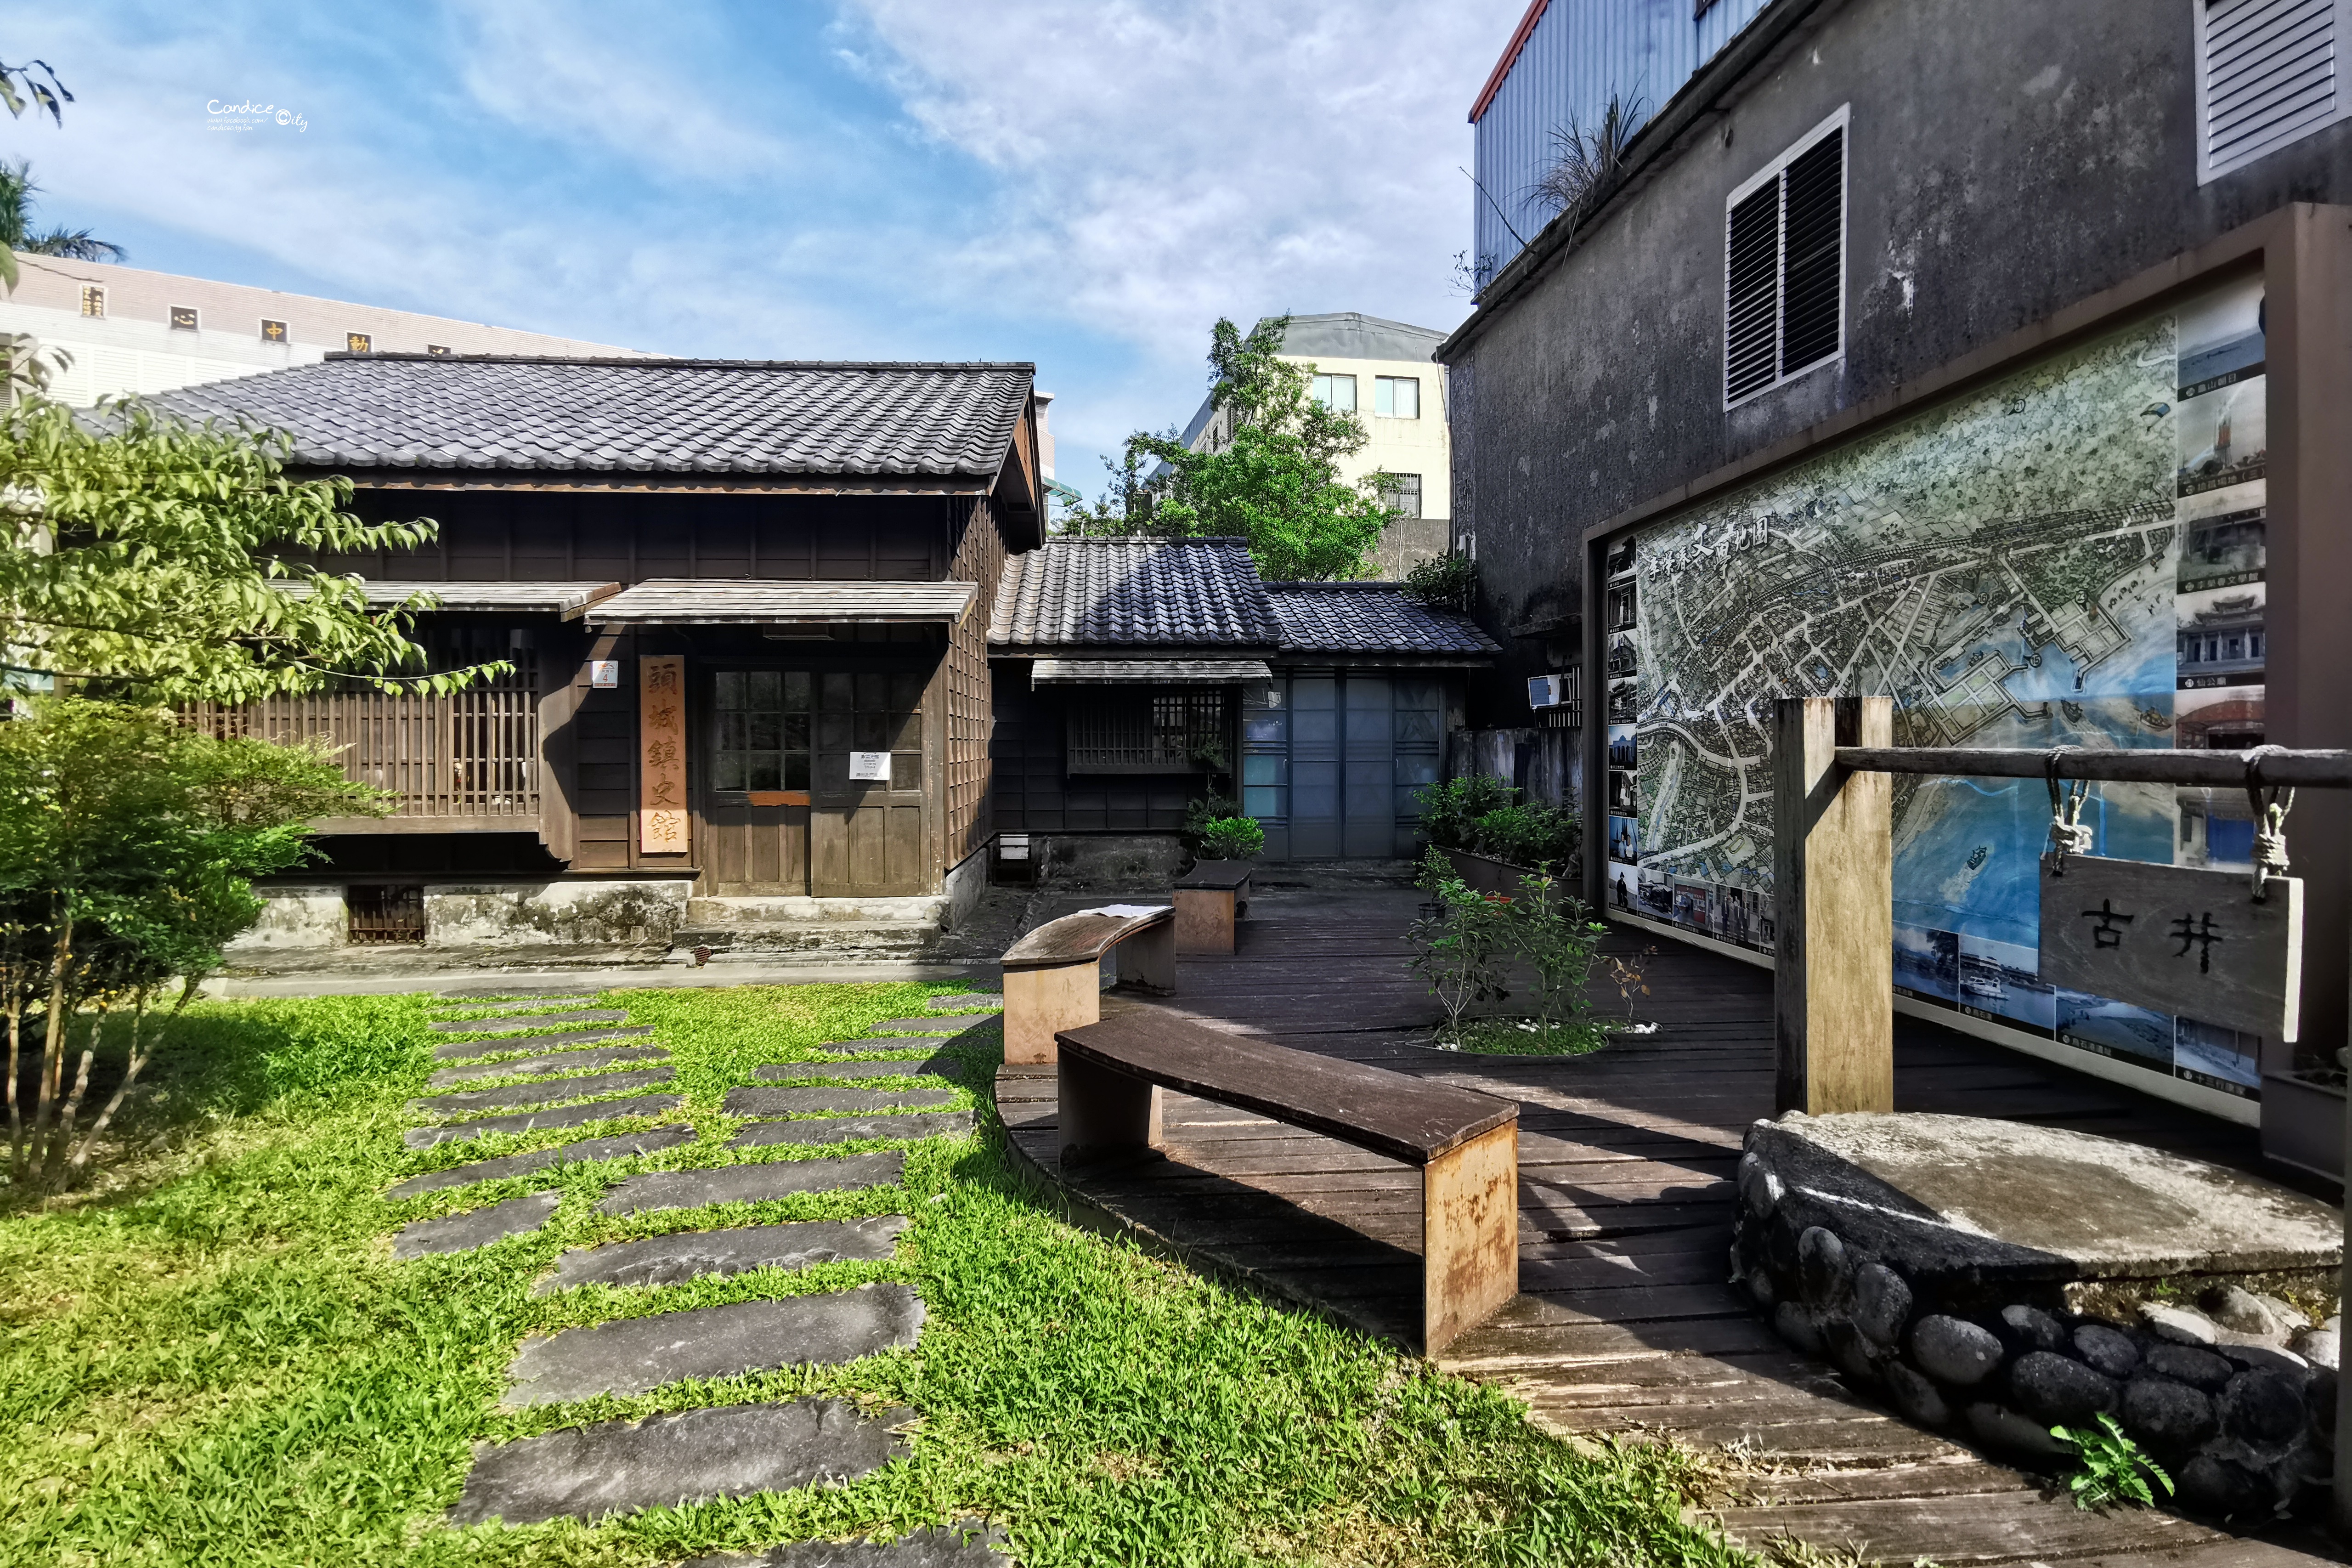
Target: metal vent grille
(2267, 77)
(1784, 269)
(1814, 246)
(1752, 293)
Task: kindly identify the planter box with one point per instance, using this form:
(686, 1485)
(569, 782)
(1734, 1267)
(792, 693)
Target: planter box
(1489, 875)
(2302, 1123)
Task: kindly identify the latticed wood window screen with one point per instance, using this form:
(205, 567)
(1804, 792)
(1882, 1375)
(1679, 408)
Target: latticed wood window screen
(979, 558)
(1139, 731)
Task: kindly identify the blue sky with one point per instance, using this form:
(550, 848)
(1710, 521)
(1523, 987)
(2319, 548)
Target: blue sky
(1086, 183)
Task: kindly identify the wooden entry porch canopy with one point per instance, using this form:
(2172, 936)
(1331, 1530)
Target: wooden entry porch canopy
(754, 602)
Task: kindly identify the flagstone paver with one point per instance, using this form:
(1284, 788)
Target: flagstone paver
(820, 1130)
(620, 1467)
(763, 1100)
(545, 1091)
(552, 1062)
(697, 1254)
(530, 1122)
(965, 1002)
(751, 1183)
(953, 1546)
(531, 1021)
(896, 1044)
(635, 1355)
(620, 1147)
(507, 999)
(467, 1050)
(811, 1072)
(930, 1025)
(475, 1227)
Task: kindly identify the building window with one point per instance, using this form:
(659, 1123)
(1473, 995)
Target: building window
(272, 332)
(760, 724)
(1401, 493)
(1138, 732)
(436, 349)
(357, 343)
(1397, 396)
(2266, 76)
(93, 299)
(1784, 265)
(184, 318)
(377, 915)
(1336, 392)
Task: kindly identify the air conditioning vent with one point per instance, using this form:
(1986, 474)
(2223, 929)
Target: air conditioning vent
(1784, 265)
(2268, 74)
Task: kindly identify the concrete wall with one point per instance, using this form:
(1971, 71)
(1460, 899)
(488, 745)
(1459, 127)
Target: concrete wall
(2004, 161)
(586, 912)
(1109, 861)
(966, 881)
(296, 916)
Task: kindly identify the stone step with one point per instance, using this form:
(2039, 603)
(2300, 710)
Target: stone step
(949, 1546)
(636, 1356)
(932, 1025)
(531, 1122)
(506, 1000)
(650, 1141)
(779, 910)
(468, 1050)
(475, 1227)
(549, 1062)
(667, 1461)
(818, 1072)
(766, 1102)
(831, 939)
(751, 1183)
(699, 1254)
(531, 1020)
(822, 1130)
(547, 1091)
(966, 1002)
(930, 1041)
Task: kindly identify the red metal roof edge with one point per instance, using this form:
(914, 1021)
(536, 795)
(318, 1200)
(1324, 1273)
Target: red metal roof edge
(1510, 57)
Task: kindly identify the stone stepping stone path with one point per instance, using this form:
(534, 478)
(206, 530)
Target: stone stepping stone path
(531, 1122)
(636, 1356)
(531, 1021)
(475, 1227)
(550, 1062)
(822, 1130)
(751, 1183)
(895, 1046)
(620, 1467)
(716, 1254)
(806, 1072)
(951, 1547)
(467, 1050)
(546, 1091)
(765, 1101)
(966, 1002)
(651, 1141)
(930, 1025)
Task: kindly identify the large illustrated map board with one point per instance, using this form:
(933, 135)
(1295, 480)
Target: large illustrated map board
(2072, 556)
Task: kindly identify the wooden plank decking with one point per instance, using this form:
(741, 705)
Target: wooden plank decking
(1625, 1323)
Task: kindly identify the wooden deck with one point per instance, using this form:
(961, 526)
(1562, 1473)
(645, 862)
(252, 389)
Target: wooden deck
(1625, 1323)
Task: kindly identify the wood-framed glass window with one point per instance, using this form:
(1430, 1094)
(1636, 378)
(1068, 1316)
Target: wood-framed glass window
(759, 729)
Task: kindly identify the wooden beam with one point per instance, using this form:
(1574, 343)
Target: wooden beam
(1833, 864)
(2214, 770)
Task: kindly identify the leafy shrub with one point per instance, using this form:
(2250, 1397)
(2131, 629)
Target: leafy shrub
(1230, 838)
(1448, 809)
(2111, 1470)
(1202, 810)
(1445, 582)
(1461, 949)
(1486, 817)
(1560, 938)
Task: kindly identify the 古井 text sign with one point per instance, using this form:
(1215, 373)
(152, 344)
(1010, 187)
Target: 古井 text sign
(2176, 939)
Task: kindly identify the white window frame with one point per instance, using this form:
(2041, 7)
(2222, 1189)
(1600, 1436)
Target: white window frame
(1392, 382)
(1840, 120)
(1332, 378)
(2207, 169)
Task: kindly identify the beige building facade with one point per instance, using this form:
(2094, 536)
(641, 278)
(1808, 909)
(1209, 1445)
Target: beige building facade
(1380, 370)
(123, 329)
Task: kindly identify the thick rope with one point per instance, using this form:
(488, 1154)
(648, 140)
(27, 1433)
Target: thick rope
(2067, 834)
(2271, 805)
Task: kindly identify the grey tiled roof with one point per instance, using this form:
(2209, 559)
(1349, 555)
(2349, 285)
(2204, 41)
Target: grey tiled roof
(1369, 617)
(1122, 593)
(633, 416)
(1146, 671)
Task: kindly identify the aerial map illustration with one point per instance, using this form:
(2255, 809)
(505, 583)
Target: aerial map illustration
(2071, 556)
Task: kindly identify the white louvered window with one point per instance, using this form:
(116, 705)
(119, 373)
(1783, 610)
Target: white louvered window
(1784, 265)
(2268, 72)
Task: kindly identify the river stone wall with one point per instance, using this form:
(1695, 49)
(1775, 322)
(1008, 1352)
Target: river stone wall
(1994, 1280)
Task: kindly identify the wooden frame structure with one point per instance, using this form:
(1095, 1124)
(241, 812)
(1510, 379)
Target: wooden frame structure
(1053, 976)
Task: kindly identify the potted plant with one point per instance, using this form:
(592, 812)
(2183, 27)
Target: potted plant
(1492, 838)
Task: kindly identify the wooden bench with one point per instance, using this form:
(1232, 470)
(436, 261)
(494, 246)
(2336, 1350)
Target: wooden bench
(1053, 976)
(1208, 897)
(1466, 1143)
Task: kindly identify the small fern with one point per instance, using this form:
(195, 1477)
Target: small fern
(2112, 1467)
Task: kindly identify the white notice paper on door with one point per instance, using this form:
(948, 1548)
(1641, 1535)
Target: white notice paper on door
(869, 767)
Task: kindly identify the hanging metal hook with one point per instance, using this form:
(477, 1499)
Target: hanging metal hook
(2270, 804)
(2067, 834)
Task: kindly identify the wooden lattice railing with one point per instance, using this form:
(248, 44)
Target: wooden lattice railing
(473, 753)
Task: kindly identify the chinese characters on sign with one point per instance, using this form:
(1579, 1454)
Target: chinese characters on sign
(661, 755)
(869, 767)
(2181, 939)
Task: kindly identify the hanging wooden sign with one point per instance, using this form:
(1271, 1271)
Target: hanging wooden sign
(661, 755)
(2176, 939)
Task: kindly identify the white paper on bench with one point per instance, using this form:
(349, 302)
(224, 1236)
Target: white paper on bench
(1127, 911)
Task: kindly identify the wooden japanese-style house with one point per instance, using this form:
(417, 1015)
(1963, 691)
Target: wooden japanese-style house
(746, 605)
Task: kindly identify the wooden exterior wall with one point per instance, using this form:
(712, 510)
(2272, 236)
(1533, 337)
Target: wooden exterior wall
(968, 697)
(1035, 793)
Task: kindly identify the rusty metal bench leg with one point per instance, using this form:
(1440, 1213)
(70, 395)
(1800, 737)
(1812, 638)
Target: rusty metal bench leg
(1104, 1115)
(1147, 961)
(1204, 919)
(1038, 1002)
(1469, 1234)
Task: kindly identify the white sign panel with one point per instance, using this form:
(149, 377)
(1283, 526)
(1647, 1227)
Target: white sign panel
(604, 672)
(869, 767)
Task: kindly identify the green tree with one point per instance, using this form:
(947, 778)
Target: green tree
(17, 189)
(128, 845)
(153, 554)
(1274, 483)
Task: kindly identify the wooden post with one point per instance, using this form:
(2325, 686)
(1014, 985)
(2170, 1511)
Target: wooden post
(1469, 1234)
(1039, 1003)
(1104, 1115)
(1832, 870)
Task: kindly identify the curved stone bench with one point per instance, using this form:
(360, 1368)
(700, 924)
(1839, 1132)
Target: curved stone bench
(1053, 976)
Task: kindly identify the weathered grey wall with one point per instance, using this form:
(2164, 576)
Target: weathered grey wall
(2007, 158)
(311, 915)
(600, 912)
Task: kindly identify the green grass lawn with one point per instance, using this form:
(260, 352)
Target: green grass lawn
(213, 1358)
